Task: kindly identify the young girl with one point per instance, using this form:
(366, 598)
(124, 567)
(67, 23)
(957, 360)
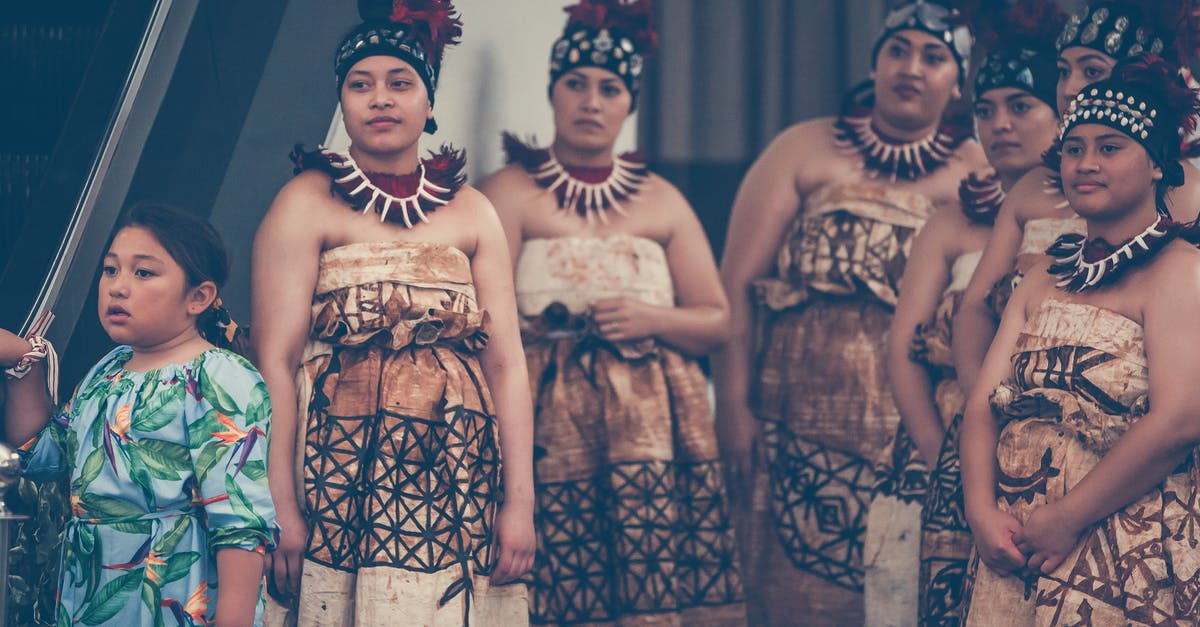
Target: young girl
(165, 441)
(385, 317)
(1079, 440)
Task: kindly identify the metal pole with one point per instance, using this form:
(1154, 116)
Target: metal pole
(6, 520)
(10, 473)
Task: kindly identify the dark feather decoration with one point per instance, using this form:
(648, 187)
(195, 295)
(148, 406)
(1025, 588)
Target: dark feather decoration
(1029, 23)
(1179, 23)
(634, 18)
(1177, 102)
(436, 23)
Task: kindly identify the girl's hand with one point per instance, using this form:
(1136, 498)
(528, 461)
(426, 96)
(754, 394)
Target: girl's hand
(994, 531)
(515, 543)
(286, 561)
(624, 319)
(1047, 538)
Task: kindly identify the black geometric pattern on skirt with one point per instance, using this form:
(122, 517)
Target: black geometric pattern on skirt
(646, 538)
(444, 478)
(819, 500)
(902, 474)
(943, 577)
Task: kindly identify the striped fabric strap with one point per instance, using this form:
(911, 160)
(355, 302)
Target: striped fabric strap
(42, 350)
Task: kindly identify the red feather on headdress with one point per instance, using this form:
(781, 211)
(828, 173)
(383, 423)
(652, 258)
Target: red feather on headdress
(634, 18)
(1178, 103)
(436, 23)
(1034, 21)
(1178, 21)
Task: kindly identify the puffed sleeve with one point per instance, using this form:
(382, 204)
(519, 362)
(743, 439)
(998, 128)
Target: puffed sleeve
(45, 456)
(50, 454)
(229, 417)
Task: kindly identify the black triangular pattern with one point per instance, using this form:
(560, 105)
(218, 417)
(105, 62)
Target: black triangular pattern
(650, 537)
(845, 244)
(944, 524)
(819, 498)
(401, 491)
(902, 474)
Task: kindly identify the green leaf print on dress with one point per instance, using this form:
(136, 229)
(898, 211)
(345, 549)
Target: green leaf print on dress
(159, 483)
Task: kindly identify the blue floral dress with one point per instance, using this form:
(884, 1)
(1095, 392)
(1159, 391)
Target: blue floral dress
(167, 467)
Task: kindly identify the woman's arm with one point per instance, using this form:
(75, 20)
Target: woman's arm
(1156, 444)
(286, 254)
(503, 362)
(767, 201)
(504, 190)
(27, 403)
(925, 279)
(992, 527)
(974, 323)
(699, 320)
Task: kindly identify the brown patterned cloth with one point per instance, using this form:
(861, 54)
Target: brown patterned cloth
(400, 464)
(823, 396)
(1037, 235)
(633, 519)
(1079, 380)
(944, 537)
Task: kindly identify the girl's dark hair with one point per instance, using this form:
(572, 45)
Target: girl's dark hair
(197, 247)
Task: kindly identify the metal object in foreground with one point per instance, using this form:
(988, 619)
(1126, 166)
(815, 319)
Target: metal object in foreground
(10, 473)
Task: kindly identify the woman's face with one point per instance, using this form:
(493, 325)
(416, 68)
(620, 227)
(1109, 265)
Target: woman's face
(1015, 128)
(1078, 67)
(1105, 173)
(384, 105)
(915, 78)
(590, 107)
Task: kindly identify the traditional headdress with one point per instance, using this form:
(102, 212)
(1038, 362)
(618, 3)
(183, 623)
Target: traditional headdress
(940, 19)
(615, 35)
(1146, 99)
(1128, 28)
(415, 31)
(1019, 51)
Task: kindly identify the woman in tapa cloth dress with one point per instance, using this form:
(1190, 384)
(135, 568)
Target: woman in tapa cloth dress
(1079, 441)
(618, 294)
(916, 518)
(848, 203)
(1035, 212)
(382, 285)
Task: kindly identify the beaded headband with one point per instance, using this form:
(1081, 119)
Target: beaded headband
(1099, 105)
(945, 23)
(609, 34)
(1144, 99)
(1027, 69)
(1116, 30)
(414, 31)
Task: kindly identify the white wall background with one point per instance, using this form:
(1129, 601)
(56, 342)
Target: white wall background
(496, 81)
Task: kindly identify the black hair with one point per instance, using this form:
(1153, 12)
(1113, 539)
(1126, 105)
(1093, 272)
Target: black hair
(197, 247)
